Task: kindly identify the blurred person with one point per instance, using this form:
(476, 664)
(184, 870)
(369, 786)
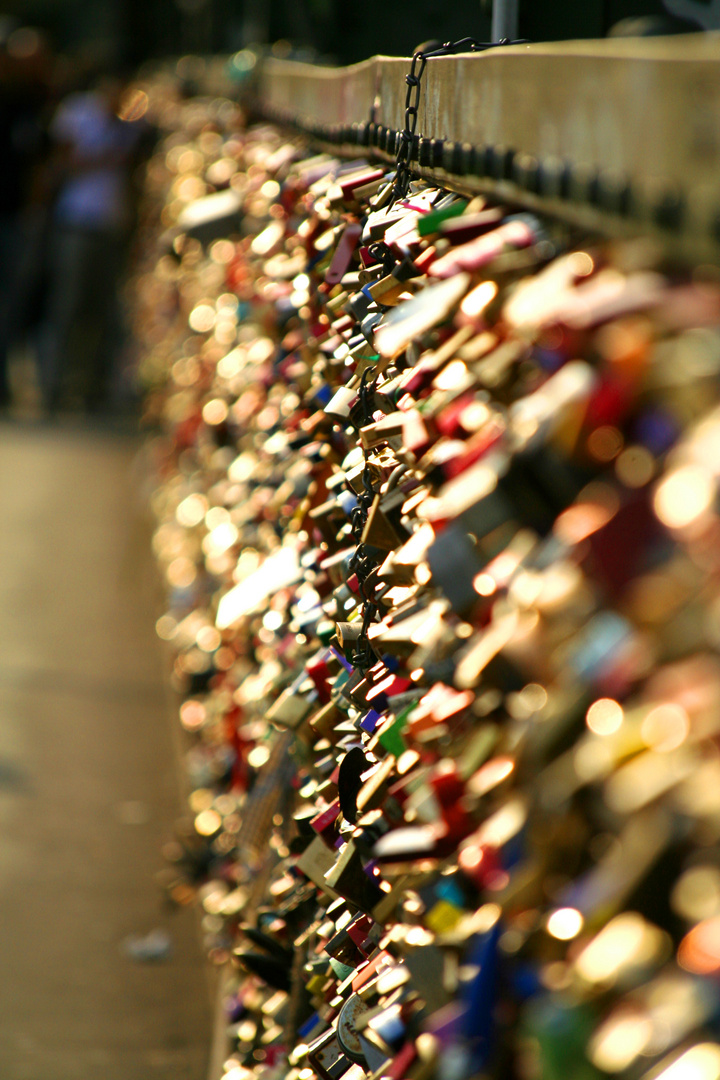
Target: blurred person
(25, 79)
(79, 335)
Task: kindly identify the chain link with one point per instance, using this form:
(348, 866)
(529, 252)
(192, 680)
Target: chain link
(364, 562)
(412, 103)
(404, 150)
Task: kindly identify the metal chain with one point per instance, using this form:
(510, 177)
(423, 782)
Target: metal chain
(412, 103)
(381, 253)
(364, 563)
(365, 566)
(404, 152)
(359, 515)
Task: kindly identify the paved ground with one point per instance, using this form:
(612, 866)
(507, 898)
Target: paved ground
(89, 785)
